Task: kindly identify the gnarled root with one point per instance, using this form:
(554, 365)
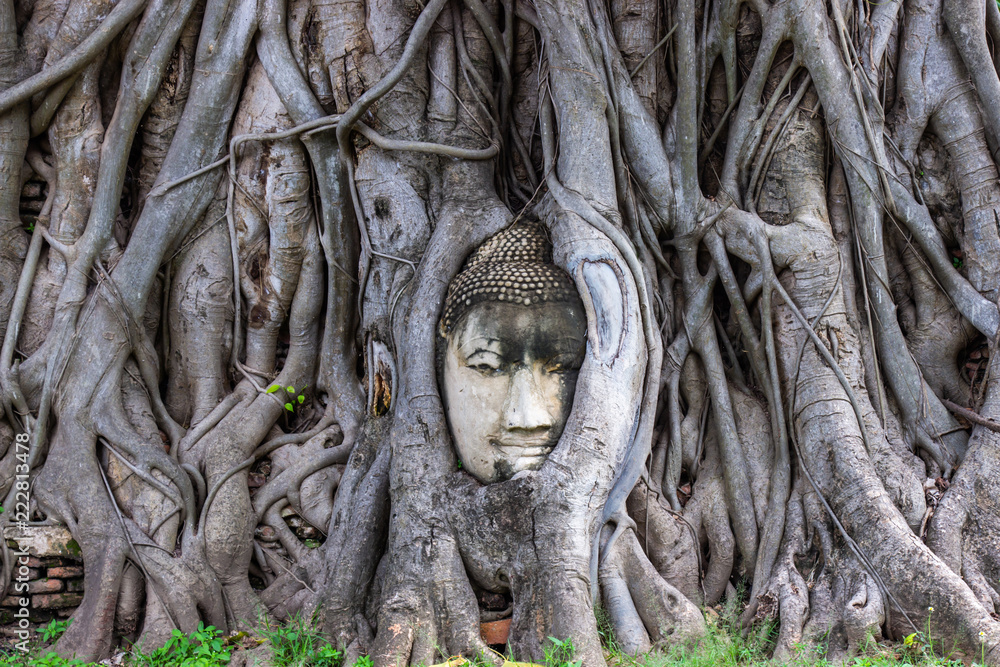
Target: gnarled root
(643, 606)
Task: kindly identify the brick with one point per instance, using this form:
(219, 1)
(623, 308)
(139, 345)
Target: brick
(74, 585)
(66, 572)
(56, 600)
(33, 573)
(19, 577)
(495, 632)
(30, 561)
(65, 613)
(11, 601)
(40, 615)
(45, 586)
(32, 190)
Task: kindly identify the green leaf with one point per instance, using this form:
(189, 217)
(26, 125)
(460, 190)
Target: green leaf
(273, 388)
(291, 390)
(301, 399)
(288, 406)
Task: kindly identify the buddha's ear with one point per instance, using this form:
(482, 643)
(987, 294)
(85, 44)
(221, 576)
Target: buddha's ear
(604, 304)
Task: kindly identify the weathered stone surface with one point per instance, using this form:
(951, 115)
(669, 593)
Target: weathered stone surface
(74, 585)
(56, 600)
(257, 657)
(42, 541)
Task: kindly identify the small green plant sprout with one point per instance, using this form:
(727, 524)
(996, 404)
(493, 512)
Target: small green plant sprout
(293, 398)
(364, 661)
(560, 653)
(299, 644)
(956, 262)
(327, 656)
(202, 648)
(53, 659)
(54, 630)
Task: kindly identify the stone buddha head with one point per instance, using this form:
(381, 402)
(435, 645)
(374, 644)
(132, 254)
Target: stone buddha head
(515, 334)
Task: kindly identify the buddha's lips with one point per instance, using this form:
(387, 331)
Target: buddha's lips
(529, 448)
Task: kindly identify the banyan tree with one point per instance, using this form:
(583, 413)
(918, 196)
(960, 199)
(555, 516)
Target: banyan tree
(403, 315)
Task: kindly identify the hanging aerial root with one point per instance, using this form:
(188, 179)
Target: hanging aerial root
(95, 43)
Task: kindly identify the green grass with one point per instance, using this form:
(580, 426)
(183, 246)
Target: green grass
(298, 644)
(726, 645)
(560, 653)
(202, 648)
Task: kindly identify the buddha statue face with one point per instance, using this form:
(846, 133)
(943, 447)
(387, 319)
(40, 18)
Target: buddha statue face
(516, 333)
(509, 375)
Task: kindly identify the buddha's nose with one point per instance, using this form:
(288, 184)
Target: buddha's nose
(525, 407)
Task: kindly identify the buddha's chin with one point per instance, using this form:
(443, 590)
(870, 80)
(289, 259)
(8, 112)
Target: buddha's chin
(529, 462)
(531, 458)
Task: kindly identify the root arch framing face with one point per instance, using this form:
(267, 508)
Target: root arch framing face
(752, 348)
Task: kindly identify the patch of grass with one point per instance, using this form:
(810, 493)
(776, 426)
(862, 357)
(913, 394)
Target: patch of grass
(560, 653)
(14, 658)
(726, 645)
(299, 644)
(52, 659)
(202, 648)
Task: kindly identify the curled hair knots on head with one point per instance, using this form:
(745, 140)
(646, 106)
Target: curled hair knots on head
(513, 266)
